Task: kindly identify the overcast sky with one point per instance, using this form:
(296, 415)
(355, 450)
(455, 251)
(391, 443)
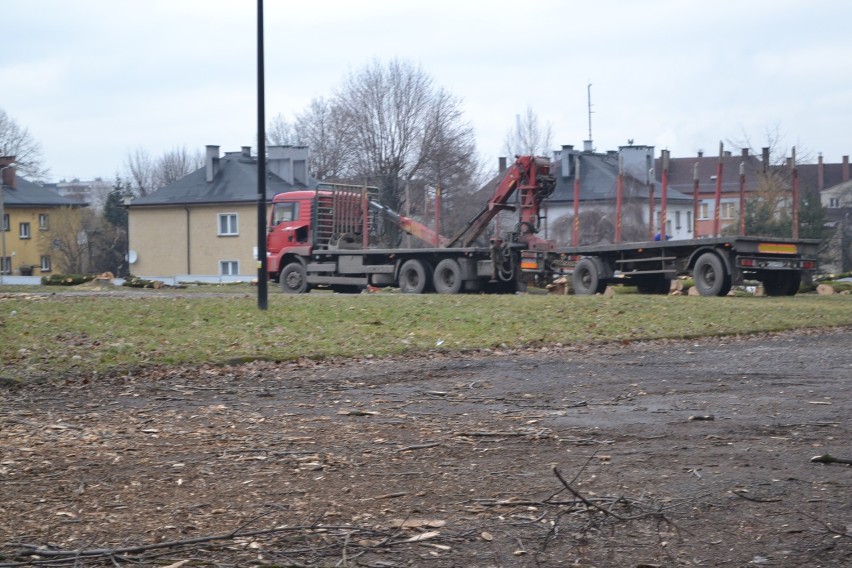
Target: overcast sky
(93, 80)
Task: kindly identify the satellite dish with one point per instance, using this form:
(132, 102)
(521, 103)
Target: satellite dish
(132, 256)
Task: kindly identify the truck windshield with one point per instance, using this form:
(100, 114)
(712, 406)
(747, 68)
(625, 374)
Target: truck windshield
(285, 212)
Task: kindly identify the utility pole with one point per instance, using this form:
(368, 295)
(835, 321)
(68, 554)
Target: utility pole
(262, 273)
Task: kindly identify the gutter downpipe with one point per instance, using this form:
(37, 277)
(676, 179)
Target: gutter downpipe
(188, 247)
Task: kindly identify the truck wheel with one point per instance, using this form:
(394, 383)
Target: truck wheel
(293, 279)
(710, 276)
(777, 283)
(413, 277)
(448, 277)
(653, 285)
(587, 278)
(794, 284)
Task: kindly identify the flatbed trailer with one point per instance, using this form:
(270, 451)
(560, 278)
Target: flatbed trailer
(715, 263)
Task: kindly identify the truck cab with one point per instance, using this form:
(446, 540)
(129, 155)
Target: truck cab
(289, 227)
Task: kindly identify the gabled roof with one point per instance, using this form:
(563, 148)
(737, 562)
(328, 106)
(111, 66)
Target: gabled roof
(682, 173)
(235, 181)
(28, 194)
(599, 179)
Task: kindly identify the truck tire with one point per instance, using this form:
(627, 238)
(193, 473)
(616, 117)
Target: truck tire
(414, 276)
(794, 284)
(293, 279)
(711, 278)
(781, 283)
(448, 277)
(587, 278)
(653, 284)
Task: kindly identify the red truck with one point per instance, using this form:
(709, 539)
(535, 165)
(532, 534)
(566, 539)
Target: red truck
(331, 238)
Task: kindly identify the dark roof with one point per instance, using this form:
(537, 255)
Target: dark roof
(28, 194)
(599, 178)
(235, 181)
(682, 173)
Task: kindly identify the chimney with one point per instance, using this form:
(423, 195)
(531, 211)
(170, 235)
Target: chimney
(790, 163)
(246, 151)
(846, 168)
(212, 162)
(745, 153)
(9, 176)
(290, 163)
(587, 146)
(765, 159)
(701, 153)
(501, 164)
(820, 174)
(727, 153)
(567, 160)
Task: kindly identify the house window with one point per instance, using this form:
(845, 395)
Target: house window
(43, 224)
(704, 211)
(228, 225)
(689, 221)
(5, 221)
(834, 202)
(45, 263)
(677, 220)
(229, 267)
(25, 231)
(6, 265)
(727, 210)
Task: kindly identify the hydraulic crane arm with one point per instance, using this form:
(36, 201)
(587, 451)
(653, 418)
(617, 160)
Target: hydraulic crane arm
(530, 176)
(410, 226)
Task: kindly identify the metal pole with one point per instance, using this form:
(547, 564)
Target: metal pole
(575, 231)
(695, 201)
(795, 196)
(437, 215)
(718, 191)
(262, 274)
(664, 196)
(742, 200)
(619, 194)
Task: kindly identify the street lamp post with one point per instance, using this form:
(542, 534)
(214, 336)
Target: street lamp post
(3, 222)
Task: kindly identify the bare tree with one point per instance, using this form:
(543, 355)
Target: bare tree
(140, 172)
(147, 175)
(280, 132)
(529, 137)
(17, 141)
(389, 115)
(321, 127)
(175, 164)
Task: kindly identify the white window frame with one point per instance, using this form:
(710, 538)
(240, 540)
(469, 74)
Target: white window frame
(43, 222)
(703, 211)
(24, 231)
(46, 265)
(727, 210)
(233, 227)
(689, 221)
(833, 202)
(7, 224)
(6, 264)
(231, 264)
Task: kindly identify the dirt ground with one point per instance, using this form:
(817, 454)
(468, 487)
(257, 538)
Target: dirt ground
(669, 453)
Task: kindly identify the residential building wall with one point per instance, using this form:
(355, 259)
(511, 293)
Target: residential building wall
(172, 241)
(27, 252)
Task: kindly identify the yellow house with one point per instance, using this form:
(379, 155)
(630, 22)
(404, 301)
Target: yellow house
(205, 224)
(26, 210)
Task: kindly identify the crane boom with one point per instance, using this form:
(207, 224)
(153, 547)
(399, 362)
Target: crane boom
(530, 177)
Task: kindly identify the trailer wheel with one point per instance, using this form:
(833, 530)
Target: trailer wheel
(795, 283)
(448, 277)
(293, 279)
(414, 277)
(587, 278)
(710, 276)
(781, 283)
(653, 285)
